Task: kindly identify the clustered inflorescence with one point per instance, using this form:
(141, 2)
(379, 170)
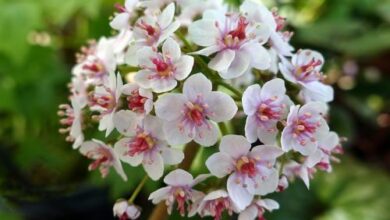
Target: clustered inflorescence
(195, 70)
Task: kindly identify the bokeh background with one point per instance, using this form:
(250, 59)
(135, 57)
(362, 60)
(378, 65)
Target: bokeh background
(41, 177)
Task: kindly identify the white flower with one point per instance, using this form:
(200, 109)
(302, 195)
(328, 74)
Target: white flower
(96, 62)
(257, 12)
(191, 115)
(145, 143)
(179, 190)
(236, 40)
(125, 13)
(123, 210)
(251, 172)
(322, 157)
(139, 100)
(105, 100)
(215, 203)
(151, 30)
(120, 44)
(305, 126)
(104, 157)
(161, 71)
(257, 208)
(265, 107)
(292, 169)
(305, 70)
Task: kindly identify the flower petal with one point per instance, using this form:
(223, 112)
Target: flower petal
(251, 129)
(221, 106)
(171, 49)
(197, 85)
(166, 16)
(169, 107)
(223, 60)
(238, 193)
(174, 135)
(184, 67)
(154, 166)
(237, 67)
(317, 91)
(234, 145)
(249, 213)
(251, 99)
(203, 33)
(160, 195)
(207, 134)
(120, 21)
(220, 164)
(178, 177)
(142, 78)
(172, 156)
(273, 88)
(126, 122)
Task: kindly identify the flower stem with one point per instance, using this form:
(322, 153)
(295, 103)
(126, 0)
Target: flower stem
(138, 189)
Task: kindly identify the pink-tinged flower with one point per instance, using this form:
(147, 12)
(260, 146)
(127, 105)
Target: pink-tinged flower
(257, 208)
(283, 184)
(104, 157)
(265, 107)
(124, 211)
(322, 157)
(305, 70)
(191, 115)
(179, 191)
(215, 203)
(105, 100)
(293, 169)
(161, 71)
(305, 127)
(145, 143)
(72, 121)
(96, 62)
(252, 172)
(121, 20)
(279, 41)
(237, 41)
(151, 31)
(139, 100)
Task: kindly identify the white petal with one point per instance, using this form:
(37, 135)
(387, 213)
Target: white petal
(154, 166)
(266, 136)
(249, 213)
(166, 16)
(168, 32)
(260, 57)
(221, 106)
(238, 67)
(314, 158)
(107, 123)
(208, 50)
(268, 204)
(142, 79)
(119, 169)
(197, 85)
(160, 194)
(126, 122)
(145, 56)
(266, 152)
(234, 145)
(269, 185)
(220, 164)
(88, 146)
(163, 85)
(169, 107)
(154, 126)
(251, 99)
(178, 177)
(287, 140)
(131, 57)
(129, 88)
(273, 88)
(207, 135)
(237, 192)
(317, 91)
(174, 135)
(200, 178)
(184, 67)
(330, 141)
(223, 60)
(203, 33)
(120, 21)
(251, 129)
(172, 156)
(171, 49)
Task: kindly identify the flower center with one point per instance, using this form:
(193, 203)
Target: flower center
(246, 166)
(141, 143)
(267, 111)
(180, 196)
(136, 102)
(163, 68)
(218, 206)
(103, 159)
(106, 101)
(307, 72)
(234, 37)
(304, 129)
(195, 113)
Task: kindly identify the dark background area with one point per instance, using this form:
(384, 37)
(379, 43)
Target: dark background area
(41, 177)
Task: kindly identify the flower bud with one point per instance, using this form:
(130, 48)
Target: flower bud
(123, 210)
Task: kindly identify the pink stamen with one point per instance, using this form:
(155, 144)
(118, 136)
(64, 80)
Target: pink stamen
(136, 102)
(120, 7)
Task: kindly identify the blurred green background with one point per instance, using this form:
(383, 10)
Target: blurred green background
(41, 177)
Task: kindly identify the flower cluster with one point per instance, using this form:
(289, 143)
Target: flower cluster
(190, 71)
